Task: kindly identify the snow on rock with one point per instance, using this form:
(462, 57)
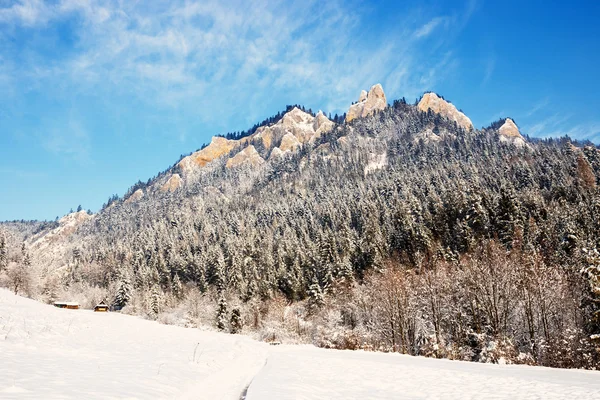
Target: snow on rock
(368, 103)
(433, 102)
(135, 196)
(428, 135)
(218, 147)
(247, 156)
(172, 184)
(509, 133)
(276, 153)
(305, 372)
(67, 225)
(376, 162)
(299, 124)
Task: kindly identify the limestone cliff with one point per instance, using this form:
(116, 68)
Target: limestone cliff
(247, 156)
(218, 147)
(172, 184)
(433, 102)
(368, 103)
(509, 132)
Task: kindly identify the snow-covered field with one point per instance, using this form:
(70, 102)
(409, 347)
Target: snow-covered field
(53, 353)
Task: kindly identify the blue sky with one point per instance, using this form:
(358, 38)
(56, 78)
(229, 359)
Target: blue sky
(98, 94)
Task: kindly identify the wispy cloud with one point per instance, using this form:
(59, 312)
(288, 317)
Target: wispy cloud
(547, 126)
(26, 12)
(430, 26)
(210, 59)
(540, 105)
(489, 67)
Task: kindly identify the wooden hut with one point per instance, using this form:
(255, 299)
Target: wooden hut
(101, 308)
(71, 305)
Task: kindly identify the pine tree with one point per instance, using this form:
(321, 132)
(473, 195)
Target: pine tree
(155, 299)
(177, 287)
(236, 321)
(316, 298)
(124, 291)
(222, 314)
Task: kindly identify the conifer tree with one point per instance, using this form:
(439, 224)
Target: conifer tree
(236, 321)
(123, 295)
(222, 314)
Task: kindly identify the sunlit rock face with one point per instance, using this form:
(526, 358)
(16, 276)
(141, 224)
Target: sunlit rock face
(247, 156)
(172, 184)
(218, 147)
(368, 103)
(509, 132)
(295, 128)
(433, 102)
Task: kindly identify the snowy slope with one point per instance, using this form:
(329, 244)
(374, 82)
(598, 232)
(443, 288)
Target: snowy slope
(306, 372)
(53, 353)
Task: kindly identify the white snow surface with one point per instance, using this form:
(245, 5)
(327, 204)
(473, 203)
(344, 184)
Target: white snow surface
(52, 353)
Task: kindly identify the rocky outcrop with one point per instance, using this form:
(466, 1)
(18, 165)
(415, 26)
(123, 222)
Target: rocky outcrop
(247, 156)
(509, 133)
(427, 135)
(433, 102)
(289, 142)
(375, 162)
(431, 134)
(276, 153)
(135, 196)
(295, 128)
(67, 226)
(218, 147)
(368, 103)
(172, 184)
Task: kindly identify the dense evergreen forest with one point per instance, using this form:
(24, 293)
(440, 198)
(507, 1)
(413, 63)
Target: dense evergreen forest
(372, 237)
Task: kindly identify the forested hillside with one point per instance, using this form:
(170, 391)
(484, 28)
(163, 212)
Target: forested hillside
(397, 231)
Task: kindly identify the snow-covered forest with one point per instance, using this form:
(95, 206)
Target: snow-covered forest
(397, 232)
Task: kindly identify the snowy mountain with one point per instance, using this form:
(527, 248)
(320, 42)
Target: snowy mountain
(396, 227)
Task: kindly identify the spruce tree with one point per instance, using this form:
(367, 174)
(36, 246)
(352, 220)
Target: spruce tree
(222, 314)
(236, 321)
(123, 295)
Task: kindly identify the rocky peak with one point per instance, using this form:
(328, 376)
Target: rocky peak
(433, 102)
(368, 103)
(509, 129)
(295, 128)
(509, 132)
(247, 156)
(363, 96)
(301, 126)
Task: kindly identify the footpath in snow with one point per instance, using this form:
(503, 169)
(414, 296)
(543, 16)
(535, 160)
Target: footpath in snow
(50, 353)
